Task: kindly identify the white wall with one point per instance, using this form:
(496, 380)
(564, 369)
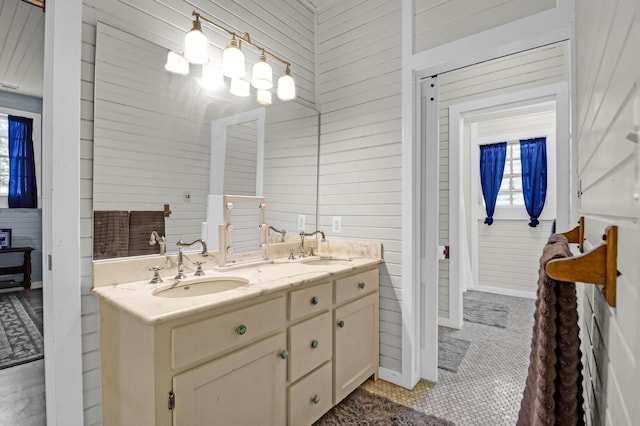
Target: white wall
(359, 62)
(282, 26)
(608, 109)
(521, 71)
(438, 22)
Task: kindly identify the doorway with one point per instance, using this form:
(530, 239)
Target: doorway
(515, 81)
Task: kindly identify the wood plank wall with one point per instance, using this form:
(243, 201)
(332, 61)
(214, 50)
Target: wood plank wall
(359, 69)
(291, 167)
(533, 68)
(282, 26)
(608, 110)
(437, 22)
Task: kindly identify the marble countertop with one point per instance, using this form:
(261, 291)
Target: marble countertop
(138, 299)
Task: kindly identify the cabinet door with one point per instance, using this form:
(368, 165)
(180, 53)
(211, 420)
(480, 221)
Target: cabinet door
(356, 344)
(246, 387)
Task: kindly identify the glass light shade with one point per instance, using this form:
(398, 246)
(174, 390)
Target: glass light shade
(195, 46)
(263, 97)
(211, 77)
(233, 61)
(261, 74)
(176, 63)
(240, 87)
(286, 88)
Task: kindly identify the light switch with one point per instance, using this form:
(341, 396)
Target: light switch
(301, 222)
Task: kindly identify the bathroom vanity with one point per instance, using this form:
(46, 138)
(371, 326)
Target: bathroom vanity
(282, 347)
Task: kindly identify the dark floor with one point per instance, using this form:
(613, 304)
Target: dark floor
(22, 391)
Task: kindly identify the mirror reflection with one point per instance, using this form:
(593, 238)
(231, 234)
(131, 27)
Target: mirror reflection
(153, 146)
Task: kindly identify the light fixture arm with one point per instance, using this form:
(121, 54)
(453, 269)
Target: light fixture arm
(244, 37)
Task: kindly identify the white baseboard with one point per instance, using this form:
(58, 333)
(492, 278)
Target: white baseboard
(395, 377)
(505, 291)
(448, 322)
(36, 284)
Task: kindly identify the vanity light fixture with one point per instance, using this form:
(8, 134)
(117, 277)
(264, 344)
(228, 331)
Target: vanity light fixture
(176, 63)
(233, 62)
(263, 97)
(239, 87)
(211, 77)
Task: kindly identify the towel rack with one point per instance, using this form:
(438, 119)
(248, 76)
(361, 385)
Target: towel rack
(599, 266)
(576, 235)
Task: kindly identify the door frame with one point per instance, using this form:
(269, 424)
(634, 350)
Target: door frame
(558, 92)
(543, 28)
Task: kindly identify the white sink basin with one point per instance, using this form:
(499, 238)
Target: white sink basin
(200, 287)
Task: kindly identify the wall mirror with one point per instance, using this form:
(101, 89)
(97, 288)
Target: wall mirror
(154, 139)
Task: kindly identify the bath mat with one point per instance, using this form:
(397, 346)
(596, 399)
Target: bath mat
(451, 352)
(22, 331)
(487, 313)
(367, 409)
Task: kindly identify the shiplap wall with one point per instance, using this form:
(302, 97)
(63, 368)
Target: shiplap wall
(437, 22)
(26, 231)
(240, 160)
(608, 109)
(291, 167)
(283, 26)
(525, 70)
(509, 253)
(152, 135)
(359, 69)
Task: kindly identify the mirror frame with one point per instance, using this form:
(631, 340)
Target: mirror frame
(226, 252)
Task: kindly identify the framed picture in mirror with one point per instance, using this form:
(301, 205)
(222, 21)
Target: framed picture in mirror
(5, 238)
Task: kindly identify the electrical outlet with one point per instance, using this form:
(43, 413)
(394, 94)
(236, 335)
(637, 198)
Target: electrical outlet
(302, 219)
(337, 224)
(186, 196)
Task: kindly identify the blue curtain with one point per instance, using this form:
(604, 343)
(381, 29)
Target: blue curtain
(533, 153)
(22, 169)
(491, 170)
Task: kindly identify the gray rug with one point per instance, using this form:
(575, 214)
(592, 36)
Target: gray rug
(367, 409)
(20, 332)
(487, 313)
(451, 352)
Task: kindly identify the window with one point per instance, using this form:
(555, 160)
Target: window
(4, 150)
(4, 154)
(510, 193)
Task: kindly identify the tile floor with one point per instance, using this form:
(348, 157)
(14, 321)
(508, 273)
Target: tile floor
(487, 389)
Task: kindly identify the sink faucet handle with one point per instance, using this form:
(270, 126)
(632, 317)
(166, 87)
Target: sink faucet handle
(291, 255)
(156, 274)
(199, 271)
(311, 253)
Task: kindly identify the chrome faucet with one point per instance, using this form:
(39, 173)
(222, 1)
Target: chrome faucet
(181, 244)
(156, 238)
(310, 234)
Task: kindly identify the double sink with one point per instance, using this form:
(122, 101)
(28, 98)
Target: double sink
(202, 286)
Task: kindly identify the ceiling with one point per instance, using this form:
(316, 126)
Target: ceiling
(21, 48)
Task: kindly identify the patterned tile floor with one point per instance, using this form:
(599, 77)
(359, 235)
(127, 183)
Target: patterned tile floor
(487, 389)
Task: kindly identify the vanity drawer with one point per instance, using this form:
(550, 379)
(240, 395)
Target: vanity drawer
(310, 398)
(310, 344)
(193, 342)
(310, 300)
(359, 284)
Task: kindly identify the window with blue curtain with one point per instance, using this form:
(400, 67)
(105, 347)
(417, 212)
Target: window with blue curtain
(533, 154)
(23, 192)
(492, 159)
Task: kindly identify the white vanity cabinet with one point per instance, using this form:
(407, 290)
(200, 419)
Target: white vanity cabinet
(281, 358)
